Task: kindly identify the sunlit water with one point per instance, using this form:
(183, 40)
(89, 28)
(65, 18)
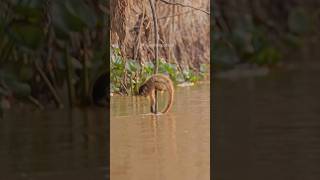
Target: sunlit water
(174, 146)
(268, 127)
(57, 144)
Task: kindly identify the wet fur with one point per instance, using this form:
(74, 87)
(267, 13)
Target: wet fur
(157, 82)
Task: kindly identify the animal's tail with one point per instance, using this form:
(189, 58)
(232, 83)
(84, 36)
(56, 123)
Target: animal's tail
(170, 90)
(170, 100)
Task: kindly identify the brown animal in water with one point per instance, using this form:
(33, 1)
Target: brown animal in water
(157, 82)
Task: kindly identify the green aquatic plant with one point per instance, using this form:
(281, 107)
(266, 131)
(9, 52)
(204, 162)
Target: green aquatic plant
(117, 67)
(267, 55)
(127, 75)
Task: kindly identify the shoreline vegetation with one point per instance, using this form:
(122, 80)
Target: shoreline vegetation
(268, 35)
(127, 75)
(51, 52)
(54, 55)
(150, 37)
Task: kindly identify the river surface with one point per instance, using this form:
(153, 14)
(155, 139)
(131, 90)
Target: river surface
(265, 127)
(268, 127)
(54, 145)
(174, 146)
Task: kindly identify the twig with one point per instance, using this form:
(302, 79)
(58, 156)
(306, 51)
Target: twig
(85, 62)
(136, 50)
(69, 70)
(36, 102)
(219, 18)
(156, 37)
(171, 16)
(171, 55)
(51, 88)
(184, 5)
(162, 41)
(125, 87)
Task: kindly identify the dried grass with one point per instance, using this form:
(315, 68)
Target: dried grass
(184, 32)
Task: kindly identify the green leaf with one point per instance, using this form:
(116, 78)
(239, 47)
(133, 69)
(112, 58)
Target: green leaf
(203, 68)
(82, 12)
(72, 16)
(268, 55)
(132, 66)
(180, 78)
(299, 22)
(293, 41)
(20, 89)
(7, 76)
(60, 26)
(28, 35)
(72, 19)
(26, 73)
(30, 10)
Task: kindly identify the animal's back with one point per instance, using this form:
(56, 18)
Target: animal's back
(158, 82)
(162, 83)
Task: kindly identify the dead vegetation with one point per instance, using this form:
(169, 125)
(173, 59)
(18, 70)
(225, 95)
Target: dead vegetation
(184, 31)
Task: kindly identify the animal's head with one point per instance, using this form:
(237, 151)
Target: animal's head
(143, 90)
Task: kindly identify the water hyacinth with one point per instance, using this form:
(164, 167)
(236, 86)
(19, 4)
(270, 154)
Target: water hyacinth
(127, 75)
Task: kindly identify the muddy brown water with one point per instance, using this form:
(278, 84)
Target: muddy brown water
(56, 144)
(174, 146)
(268, 127)
(73, 144)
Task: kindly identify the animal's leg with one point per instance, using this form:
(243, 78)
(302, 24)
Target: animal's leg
(153, 102)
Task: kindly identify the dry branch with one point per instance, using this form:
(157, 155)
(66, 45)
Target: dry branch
(51, 88)
(156, 37)
(184, 5)
(174, 27)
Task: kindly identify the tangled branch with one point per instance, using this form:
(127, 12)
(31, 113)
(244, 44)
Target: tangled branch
(183, 5)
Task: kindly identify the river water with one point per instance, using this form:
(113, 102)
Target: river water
(268, 127)
(265, 127)
(56, 144)
(174, 146)
(73, 144)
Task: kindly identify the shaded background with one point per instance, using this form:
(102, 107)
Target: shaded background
(265, 56)
(264, 32)
(52, 52)
(53, 56)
